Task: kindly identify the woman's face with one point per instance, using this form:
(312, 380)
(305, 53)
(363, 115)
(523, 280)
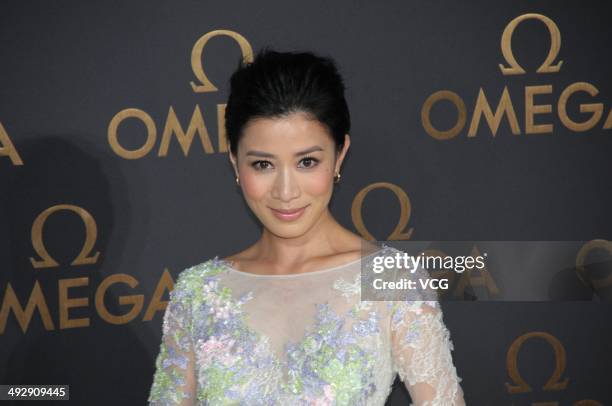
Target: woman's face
(286, 164)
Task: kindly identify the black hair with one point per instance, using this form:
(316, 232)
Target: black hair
(277, 84)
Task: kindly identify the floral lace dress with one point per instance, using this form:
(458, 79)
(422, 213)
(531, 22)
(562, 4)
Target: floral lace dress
(236, 338)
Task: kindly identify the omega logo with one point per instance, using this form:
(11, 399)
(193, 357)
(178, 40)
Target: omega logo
(37, 302)
(198, 50)
(172, 126)
(398, 232)
(555, 46)
(554, 382)
(505, 107)
(592, 245)
(91, 231)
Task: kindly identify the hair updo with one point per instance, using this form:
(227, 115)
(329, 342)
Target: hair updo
(277, 84)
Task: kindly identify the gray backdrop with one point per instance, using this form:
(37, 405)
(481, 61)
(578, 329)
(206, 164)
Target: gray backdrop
(69, 68)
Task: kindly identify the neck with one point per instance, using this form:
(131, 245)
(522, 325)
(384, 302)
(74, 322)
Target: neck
(320, 240)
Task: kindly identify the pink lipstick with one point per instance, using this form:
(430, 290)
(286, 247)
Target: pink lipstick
(288, 214)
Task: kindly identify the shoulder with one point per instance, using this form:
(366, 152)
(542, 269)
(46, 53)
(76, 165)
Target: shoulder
(191, 281)
(359, 250)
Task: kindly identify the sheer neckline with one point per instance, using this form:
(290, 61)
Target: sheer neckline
(293, 275)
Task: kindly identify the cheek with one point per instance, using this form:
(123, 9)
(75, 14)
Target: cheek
(253, 186)
(318, 184)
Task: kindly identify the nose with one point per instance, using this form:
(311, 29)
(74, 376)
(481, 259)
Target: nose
(286, 187)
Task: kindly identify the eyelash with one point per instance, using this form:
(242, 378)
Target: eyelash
(256, 166)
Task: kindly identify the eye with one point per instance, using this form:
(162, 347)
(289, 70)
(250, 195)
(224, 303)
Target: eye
(261, 165)
(309, 162)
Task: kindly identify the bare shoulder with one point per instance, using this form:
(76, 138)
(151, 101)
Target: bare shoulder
(239, 257)
(354, 248)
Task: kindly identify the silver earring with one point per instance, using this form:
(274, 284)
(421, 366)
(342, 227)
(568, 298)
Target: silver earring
(337, 177)
(237, 180)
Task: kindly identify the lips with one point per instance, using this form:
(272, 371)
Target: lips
(288, 214)
(289, 211)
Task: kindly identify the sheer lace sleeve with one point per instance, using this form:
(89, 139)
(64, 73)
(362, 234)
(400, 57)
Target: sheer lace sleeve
(421, 350)
(174, 380)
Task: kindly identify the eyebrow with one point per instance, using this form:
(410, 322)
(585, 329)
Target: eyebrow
(268, 155)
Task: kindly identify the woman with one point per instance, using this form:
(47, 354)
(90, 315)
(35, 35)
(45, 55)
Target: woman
(282, 323)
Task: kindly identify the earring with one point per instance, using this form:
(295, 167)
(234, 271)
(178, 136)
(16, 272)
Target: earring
(337, 177)
(237, 180)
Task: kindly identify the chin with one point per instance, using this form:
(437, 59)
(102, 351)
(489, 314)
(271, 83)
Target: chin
(284, 229)
(287, 230)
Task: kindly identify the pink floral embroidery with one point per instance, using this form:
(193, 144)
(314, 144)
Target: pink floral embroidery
(327, 399)
(218, 349)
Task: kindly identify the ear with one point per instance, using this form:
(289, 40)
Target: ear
(342, 153)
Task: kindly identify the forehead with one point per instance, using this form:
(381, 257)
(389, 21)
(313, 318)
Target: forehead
(287, 133)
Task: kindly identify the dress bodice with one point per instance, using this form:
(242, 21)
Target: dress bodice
(232, 337)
